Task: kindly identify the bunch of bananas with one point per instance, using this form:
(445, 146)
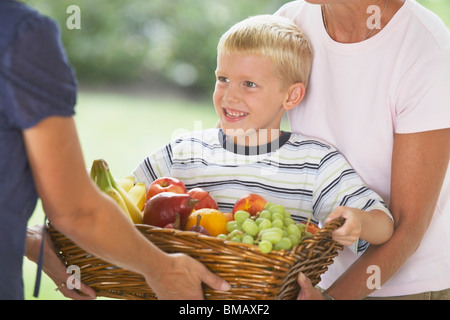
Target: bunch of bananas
(130, 196)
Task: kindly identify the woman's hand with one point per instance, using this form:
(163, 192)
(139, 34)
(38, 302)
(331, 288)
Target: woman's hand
(182, 279)
(307, 291)
(53, 266)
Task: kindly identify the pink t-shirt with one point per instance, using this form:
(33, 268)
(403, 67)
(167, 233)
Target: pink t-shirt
(360, 95)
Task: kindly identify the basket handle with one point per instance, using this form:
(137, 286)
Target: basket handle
(307, 250)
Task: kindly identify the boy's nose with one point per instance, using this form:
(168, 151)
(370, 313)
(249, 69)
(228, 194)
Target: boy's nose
(231, 95)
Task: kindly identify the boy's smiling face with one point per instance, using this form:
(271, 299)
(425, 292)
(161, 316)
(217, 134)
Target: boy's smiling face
(249, 97)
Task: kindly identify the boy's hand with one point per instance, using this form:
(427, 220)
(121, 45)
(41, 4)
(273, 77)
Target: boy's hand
(351, 230)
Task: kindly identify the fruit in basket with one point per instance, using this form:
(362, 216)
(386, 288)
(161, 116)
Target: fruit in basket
(228, 215)
(265, 246)
(133, 210)
(165, 184)
(137, 194)
(214, 221)
(252, 203)
(102, 176)
(312, 228)
(198, 227)
(126, 183)
(204, 199)
(270, 229)
(101, 179)
(161, 209)
(175, 224)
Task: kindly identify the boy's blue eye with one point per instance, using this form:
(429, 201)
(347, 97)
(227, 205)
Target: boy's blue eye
(222, 79)
(250, 84)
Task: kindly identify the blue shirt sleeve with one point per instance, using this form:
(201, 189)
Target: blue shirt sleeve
(38, 80)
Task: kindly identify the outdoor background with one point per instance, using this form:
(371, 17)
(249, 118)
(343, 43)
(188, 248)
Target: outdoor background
(146, 74)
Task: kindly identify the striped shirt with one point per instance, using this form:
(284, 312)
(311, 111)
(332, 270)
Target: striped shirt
(309, 177)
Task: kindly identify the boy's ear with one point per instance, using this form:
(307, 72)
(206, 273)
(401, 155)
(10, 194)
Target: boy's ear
(295, 95)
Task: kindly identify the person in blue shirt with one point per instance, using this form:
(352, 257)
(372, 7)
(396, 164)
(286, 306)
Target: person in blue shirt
(40, 156)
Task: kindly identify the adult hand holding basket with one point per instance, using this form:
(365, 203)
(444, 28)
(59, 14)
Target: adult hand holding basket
(252, 274)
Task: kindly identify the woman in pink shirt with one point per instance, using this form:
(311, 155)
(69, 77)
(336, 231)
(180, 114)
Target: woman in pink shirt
(380, 93)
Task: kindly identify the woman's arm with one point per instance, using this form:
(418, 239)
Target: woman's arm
(419, 165)
(92, 220)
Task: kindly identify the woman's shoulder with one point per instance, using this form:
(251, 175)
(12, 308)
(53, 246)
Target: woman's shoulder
(17, 18)
(294, 8)
(15, 10)
(297, 4)
(26, 32)
(425, 23)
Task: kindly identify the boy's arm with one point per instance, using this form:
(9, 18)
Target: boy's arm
(339, 191)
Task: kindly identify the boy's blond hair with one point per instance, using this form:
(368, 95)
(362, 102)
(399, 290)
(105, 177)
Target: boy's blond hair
(275, 37)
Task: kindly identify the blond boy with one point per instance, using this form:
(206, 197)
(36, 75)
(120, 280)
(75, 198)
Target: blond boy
(263, 68)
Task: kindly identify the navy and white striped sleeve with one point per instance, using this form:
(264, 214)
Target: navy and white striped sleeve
(338, 184)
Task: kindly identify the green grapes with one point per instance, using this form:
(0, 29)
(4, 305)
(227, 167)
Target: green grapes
(271, 229)
(292, 229)
(294, 240)
(272, 236)
(276, 208)
(232, 225)
(240, 216)
(277, 224)
(266, 214)
(250, 227)
(248, 239)
(222, 236)
(283, 244)
(278, 216)
(265, 246)
(264, 224)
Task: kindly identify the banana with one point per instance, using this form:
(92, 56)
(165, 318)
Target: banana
(115, 195)
(133, 210)
(100, 174)
(137, 194)
(126, 183)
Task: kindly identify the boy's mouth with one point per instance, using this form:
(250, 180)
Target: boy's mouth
(234, 114)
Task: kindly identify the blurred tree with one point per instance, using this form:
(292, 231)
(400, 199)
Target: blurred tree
(173, 41)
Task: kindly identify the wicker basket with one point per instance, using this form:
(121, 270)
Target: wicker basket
(252, 274)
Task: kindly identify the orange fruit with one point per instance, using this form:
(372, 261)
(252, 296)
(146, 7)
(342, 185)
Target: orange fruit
(229, 216)
(212, 220)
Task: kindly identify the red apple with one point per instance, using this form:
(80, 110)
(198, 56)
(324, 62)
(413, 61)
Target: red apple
(252, 203)
(204, 199)
(166, 208)
(165, 184)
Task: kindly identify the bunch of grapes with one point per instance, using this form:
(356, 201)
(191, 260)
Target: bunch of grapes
(271, 229)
